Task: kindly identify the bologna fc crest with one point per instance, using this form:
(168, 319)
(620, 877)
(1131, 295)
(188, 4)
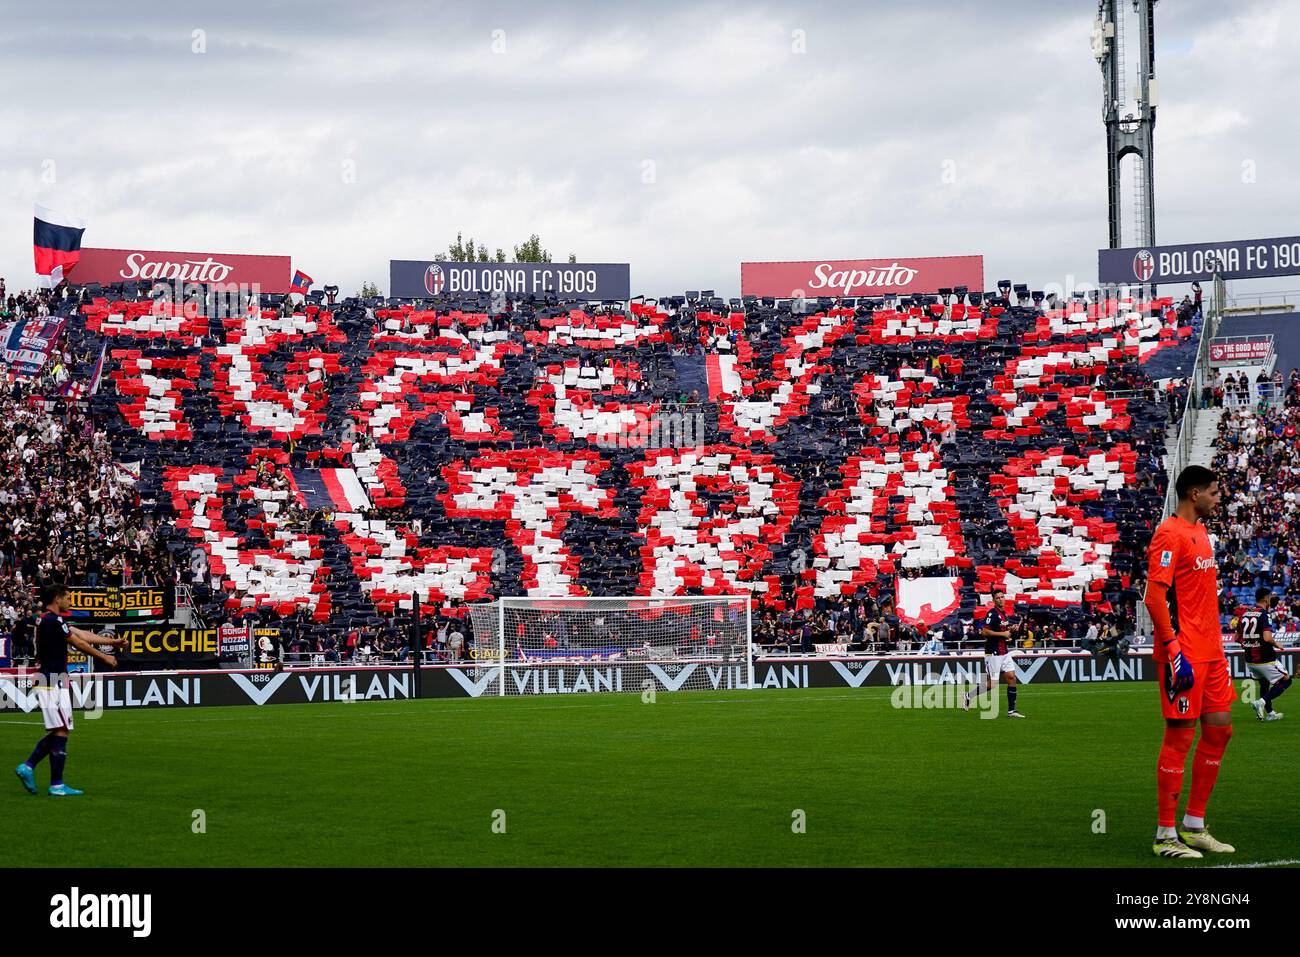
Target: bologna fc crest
(1144, 265)
(434, 280)
(1184, 705)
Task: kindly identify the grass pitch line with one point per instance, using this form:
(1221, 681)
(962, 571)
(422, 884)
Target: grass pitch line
(1289, 862)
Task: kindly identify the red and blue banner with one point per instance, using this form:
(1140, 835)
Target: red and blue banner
(301, 282)
(29, 343)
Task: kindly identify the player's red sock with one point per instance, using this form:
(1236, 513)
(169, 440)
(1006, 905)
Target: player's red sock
(1169, 772)
(1205, 766)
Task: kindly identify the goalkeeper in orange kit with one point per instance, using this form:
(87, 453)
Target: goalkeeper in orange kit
(1191, 669)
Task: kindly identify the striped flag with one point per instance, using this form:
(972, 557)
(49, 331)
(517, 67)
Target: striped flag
(722, 375)
(76, 391)
(330, 489)
(158, 612)
(301, 282)
(98, 374)
(56, 245)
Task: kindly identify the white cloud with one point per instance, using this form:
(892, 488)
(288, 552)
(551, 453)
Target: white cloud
(759, 152)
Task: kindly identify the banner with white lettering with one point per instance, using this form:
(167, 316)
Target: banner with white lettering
(1235, 259)
(233, 642)
(837, 278)
(342, 684)
(423, 279)
(1246, 350)
(107, 266)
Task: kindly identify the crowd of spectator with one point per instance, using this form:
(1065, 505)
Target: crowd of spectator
(75, 517)
(1258, 526)
(67, 511)
(1227, 390)
(864, 624)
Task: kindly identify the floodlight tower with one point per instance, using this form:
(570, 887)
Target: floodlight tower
(1128, 109)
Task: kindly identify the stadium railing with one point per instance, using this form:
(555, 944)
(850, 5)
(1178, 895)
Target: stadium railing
(913, 648)
(1285, 300)
(1178, 455)
(1266, 394)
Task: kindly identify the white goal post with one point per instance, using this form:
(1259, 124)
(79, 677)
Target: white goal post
(615, 644)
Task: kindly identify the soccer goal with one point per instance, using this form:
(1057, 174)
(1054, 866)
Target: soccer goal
(558, 645)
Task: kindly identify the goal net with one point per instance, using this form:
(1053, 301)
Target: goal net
(559, 645)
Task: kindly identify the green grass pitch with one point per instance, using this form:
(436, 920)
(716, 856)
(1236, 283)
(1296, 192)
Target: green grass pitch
(696, 778)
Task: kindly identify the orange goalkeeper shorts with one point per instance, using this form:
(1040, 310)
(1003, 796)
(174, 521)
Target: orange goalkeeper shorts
(1211, 690)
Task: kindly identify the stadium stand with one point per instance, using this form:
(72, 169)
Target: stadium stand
(1258, 462)
(316, 464)
(67, 511)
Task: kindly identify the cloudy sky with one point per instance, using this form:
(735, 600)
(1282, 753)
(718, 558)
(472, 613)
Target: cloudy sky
(680, 137)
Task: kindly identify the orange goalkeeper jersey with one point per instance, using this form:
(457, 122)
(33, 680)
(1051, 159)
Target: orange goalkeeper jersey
(1181, 557)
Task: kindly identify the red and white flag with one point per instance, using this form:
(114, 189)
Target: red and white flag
(56, 245)
(722, 376)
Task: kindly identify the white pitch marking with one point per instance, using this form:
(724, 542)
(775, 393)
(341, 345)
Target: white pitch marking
(1283, 863)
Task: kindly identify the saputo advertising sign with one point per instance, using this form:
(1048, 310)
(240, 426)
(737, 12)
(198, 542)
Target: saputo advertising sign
(270, 273)
(423, 279)
(813, 279)
(1235, 259)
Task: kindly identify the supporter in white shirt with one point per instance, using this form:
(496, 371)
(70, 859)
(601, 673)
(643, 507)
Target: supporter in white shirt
(934, 645)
